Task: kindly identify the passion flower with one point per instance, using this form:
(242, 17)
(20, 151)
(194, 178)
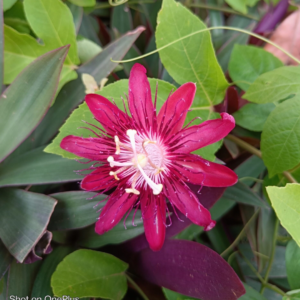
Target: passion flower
(146, 157)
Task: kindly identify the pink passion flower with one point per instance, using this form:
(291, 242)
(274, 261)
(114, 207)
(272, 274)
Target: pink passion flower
(147, 159)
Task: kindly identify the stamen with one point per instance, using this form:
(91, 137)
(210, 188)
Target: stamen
(157, 188)
(114, 163)
(131, 133)
(111, 173)
(134, 191)
(117, 141)
(159, 170)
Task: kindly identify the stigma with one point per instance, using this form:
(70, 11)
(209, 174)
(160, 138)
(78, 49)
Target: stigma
(140, 157)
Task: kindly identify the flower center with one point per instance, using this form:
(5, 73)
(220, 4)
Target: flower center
(143, 156)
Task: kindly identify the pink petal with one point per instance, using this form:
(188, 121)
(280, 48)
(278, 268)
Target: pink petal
(140, 101)
(108, 114)
(154, 217)
(199, 136)
(182, 197)
(196, 170)
(173, 113)
(99, 180)
(91, 148)
(115, 208)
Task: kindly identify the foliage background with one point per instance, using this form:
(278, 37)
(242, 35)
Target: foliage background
(47, 241)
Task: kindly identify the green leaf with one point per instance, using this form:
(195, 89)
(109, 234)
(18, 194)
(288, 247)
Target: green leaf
(113, 91)
(292, 295)
(121, 19)
(52, 22)
(25, 102)
(280, 142)
(251, 294)
(292, 259)
(241, 193)
(41, 287)
(87, 49)
(75, 210)
(37, 167)
(24, 275)
(241, 5)
(1, 285)
(192, 59)
(232, 38)
(89, 239)
(89, 28)
(250, 168)
(274, 85)
(87, 273)
(253, 116)
(285, 201)
(264, 235)
(249, 62)
(5, 259)
(1, 51)
(24, 217)
(83, 3)
(7, 4)
(20, 50)
(171, 295)
(77, 13)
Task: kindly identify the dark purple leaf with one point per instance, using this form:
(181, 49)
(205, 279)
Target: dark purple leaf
(270, 20)
(191, 269)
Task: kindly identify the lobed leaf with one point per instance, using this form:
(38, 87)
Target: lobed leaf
(280, 141)
(52, 22)
(249, 62)
(274, 85)
(285, 201)
(42, 283)
(192, 59)
(87, 273)
(253, 116)
(292, 259)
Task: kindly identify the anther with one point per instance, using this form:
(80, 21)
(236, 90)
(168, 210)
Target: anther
(114, 163)
(148, 142)
(133, 191)
(111, 173)
(159, 170)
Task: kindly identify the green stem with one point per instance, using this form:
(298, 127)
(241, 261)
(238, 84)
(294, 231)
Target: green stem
(263, 282)
(138, 289)
(205, 30)
(223, 9)
(271, 257)
(241, 234)
(258, 153)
